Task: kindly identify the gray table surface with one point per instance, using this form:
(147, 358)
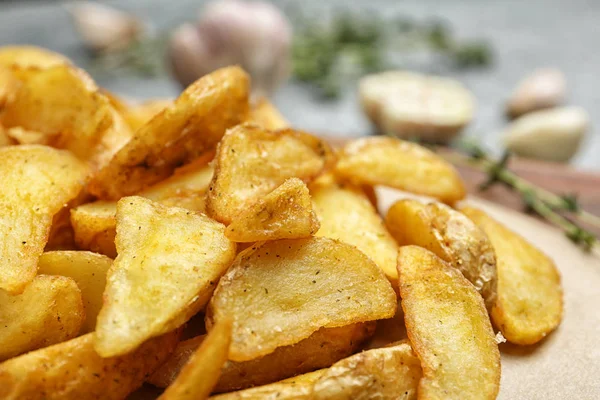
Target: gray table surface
(525, 35)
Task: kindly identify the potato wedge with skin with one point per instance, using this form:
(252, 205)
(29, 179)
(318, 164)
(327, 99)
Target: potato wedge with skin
(448, 327)
(388, 373)
(296, 388)
(281, 292)
(73, 370)
(30, 57)
(252, 161)
(319, 350)
(200, 374)
(402, 165)
(49, 311)
(36, 182)
(530, 298)
(165, 253)
(140, 114)
(451, 236)
(88, 270)
(192, 126)
(345, 213)
(285, 213)
(94, 223)
(266, 115)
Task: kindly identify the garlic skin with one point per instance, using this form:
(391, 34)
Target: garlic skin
(254, 35)
(550, 135)
(412, 105)
(103, 28)
(544, 88)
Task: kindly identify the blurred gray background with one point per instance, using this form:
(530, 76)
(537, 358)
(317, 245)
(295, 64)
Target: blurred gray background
(524, 34)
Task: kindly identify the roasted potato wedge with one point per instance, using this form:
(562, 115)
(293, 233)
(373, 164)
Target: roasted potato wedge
(530, 303)
(402, 165)
(451, 236)
(89, 272)
(192, 126)
(448, 327)
(73, 370)
(201, 372)
(285, 213)
(281, 292)
(30, 57)
(252, 161)
(319, 350)
(387, 373)
(140, 114)
(94, 225)
(266, 115)
(50, 310)
(36, 182)
(166, 253)
(345, 213)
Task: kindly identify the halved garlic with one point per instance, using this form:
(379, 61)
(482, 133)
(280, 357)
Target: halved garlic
(544, 88)
(412, 105)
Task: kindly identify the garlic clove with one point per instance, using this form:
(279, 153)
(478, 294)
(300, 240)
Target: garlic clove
(544, 88)
(551, 135)
(411, 105)
(187, 53)
(103, 28)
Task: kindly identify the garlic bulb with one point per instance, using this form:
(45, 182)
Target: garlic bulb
(411, 105)
(552, 135)
(254, 35)
(545, 88)
(103, 28)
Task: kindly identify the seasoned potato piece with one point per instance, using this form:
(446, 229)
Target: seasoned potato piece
(73, 370)
(165, 253)
(116, 135)
(285, 213)
(30, 56)
(36, 182)
(451, 236)
(251, 162)
(140, 114)
(319, 350)
(280, 292)
(296, 388)
(387, 373)
(401, 165)
(192, 126)
(49, 311)
(201, 372)
(266, 115)
(529, 303)
(69, 111)
(448, 327)
(346, 214)
(94, 225)
(88, 270)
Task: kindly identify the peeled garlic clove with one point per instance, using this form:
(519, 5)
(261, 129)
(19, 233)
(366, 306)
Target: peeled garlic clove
(411, 105)
(545, 88)
(551, 135)
(103, 28)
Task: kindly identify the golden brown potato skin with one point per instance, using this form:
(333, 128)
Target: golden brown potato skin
(74, 371)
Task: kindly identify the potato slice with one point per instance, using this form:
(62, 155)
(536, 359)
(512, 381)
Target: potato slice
(73, 370)
(401, 165)
(451, 236)
(201, 373)
(69, 111)
(192, 126)
(88, 270)
(30, 56)
(140, 114)
(36, 182)
(49, 311)
(387, 373)
(252, 162)
(94, 223)
(319, 350)
(266, 115)
(530, 298)
(281, 292)
(285, 213)
(165, 253)
(346, 214)
(296, 388)
(448, 327)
